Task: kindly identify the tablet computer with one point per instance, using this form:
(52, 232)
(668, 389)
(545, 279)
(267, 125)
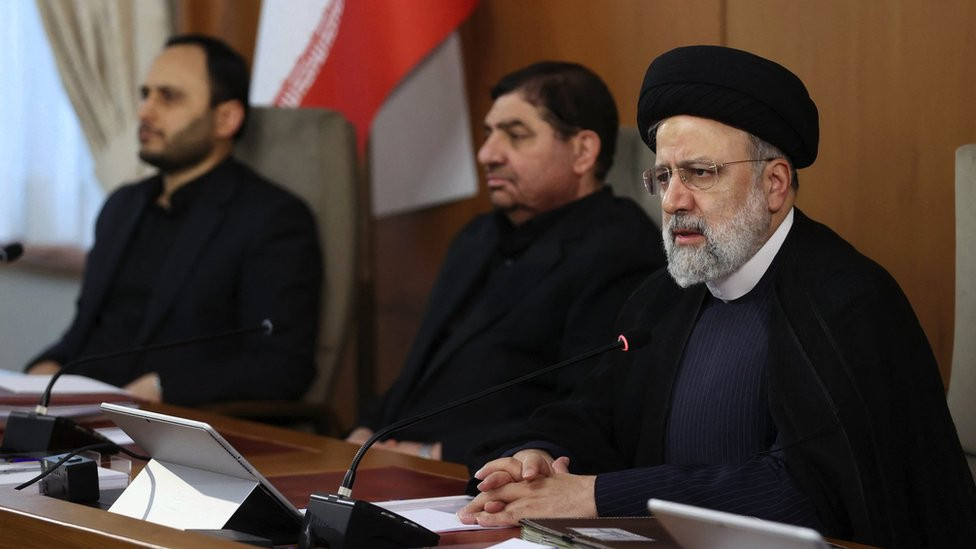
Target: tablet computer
(699, 528)
(197, 445)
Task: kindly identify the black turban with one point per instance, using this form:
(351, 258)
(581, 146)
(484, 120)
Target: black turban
(736, 88)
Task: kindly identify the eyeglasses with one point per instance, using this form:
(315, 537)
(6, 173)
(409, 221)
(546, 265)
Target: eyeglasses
(699, 175)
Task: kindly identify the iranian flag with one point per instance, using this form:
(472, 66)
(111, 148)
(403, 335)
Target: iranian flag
(394, 69)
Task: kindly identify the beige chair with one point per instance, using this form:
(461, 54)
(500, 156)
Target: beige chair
(962, 383)
(312, 152)
(632, 158)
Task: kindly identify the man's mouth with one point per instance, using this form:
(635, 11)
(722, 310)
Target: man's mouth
(145, 133)
(686, 237)
(687, 232)
(497, 181)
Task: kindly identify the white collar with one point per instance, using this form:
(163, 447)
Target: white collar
(745, 278)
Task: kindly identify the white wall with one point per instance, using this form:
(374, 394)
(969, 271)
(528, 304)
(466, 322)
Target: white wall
(35, 309)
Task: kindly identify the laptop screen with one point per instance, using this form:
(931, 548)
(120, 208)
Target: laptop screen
(699, 528)
(189, 443)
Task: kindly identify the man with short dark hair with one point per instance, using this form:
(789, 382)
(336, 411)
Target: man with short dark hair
(786, 377)
(537, 281)
(205, 246)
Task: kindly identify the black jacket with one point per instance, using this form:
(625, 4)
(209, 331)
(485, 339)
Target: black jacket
(248, 250)
(558, 299)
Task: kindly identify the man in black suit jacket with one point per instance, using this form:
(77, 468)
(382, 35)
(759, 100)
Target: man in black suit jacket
(537, 281)
(203, 247)
(787, 376)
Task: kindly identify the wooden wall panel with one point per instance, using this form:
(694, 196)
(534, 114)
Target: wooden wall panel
(616, 39)
(235, 21)
(895, 91)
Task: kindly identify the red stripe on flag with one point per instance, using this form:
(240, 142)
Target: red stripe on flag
(378, 43)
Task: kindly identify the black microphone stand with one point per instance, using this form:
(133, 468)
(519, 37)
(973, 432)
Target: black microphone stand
(10, 252)
(38, 432)
(341, 521)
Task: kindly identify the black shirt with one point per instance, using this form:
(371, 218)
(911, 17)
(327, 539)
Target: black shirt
(120, 317)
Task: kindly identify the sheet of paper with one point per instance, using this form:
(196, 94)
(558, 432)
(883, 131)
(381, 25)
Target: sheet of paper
(435, 514)
(110, 479)
(516, 543)
(438, 521)
(67, 384)
(182, 497)
(448, 504)
(12, 474)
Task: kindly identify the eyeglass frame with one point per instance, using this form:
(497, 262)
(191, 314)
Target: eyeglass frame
(650, 174)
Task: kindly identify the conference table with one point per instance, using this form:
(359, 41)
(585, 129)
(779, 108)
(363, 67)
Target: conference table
(297, 463)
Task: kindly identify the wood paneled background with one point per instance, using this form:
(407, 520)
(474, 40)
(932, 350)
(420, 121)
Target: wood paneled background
(893, 80)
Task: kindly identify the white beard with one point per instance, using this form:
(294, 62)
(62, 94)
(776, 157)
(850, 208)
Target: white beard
(729, 242)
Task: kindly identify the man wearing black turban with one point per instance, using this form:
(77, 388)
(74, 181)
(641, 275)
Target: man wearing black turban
(787, 376)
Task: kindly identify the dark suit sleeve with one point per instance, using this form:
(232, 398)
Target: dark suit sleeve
(761, 487)
(589, 325)
(580, 426)
(106, 232)
(557, 300)
(280, 279)
(376, 413)
(594, 303)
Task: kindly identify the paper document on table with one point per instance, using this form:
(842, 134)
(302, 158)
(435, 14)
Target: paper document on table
(67, 384)
(516, 543)
(435, 514)
(12, 474)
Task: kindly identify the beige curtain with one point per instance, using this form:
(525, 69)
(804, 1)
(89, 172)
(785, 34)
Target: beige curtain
(103, 49)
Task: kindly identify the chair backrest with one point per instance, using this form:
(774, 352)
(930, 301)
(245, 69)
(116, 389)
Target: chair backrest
(312, 153)
(962, 383)
(632, 158)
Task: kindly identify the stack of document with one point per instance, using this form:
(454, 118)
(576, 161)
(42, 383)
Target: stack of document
(597, 533)
(72, 395)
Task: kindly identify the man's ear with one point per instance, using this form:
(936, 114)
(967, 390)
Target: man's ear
(228, 117)
(778, 178)
(586, 145)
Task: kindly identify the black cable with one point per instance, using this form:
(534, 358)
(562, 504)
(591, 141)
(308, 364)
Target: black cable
(77, 451)
(266, 327)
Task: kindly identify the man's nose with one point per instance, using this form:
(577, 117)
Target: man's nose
(146, 108)
(490, 153)
(678, 197)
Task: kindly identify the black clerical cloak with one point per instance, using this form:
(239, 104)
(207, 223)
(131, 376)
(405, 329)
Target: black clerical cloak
(854, 391)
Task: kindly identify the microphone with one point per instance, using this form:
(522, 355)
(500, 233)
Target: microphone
(341, 521)
(38, 432)
(10, 252)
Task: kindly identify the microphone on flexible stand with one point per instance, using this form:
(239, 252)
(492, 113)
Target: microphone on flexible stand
(341, 521)
(38, 432)
(10, 252)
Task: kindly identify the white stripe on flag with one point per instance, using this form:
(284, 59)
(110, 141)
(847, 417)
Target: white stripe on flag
(289, 29)
(421, 138)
